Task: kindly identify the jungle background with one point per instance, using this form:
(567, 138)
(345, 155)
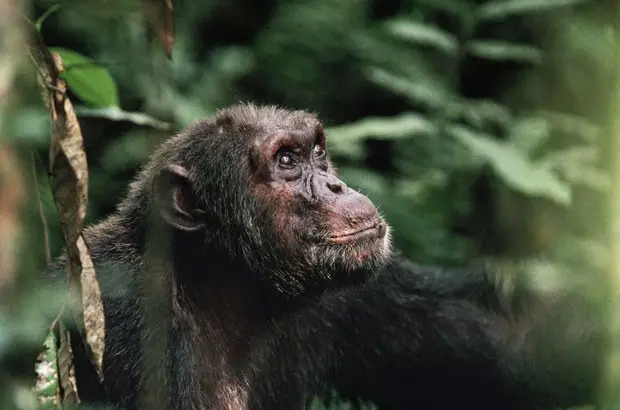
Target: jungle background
(483, 129)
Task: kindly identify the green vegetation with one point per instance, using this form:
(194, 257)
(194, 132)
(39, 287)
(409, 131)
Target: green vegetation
(480, 127)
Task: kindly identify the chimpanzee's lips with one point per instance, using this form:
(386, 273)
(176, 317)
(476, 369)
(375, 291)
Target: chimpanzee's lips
(374, 231)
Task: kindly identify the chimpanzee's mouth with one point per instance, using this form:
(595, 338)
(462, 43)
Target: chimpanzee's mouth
(374, 231)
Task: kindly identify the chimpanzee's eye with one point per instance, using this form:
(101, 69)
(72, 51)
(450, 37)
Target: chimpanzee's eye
(286, 160)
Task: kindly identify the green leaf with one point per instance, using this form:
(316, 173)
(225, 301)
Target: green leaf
(346, 139)
(431, 95)
(573, 125)
(529, 134)
(46, 369)
(579, 166)
(590, 177)
(478, 113)
(424, 35)
(502, 9)
(505, 51)
(89, 81)
(514, 168)
(576, 155)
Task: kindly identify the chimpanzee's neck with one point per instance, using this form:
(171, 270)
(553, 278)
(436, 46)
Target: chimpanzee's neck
(237, 314)
(215, 281)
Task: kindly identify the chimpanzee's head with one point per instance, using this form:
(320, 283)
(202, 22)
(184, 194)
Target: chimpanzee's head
(259, 183)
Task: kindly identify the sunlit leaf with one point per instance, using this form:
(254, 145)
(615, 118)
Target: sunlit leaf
(89, 81)
(590, 177)
(514, 168)
(504, 51)
(584, 154)
(424, 35)
(398, 58)
(502, 9)
(573, 125)
(529, 134)
(579, 165)
(429, 94)
(346, 139)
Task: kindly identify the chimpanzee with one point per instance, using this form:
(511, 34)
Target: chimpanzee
(241, 273)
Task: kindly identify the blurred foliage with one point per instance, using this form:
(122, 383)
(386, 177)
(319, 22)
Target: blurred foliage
(424, 128)
(477, 126)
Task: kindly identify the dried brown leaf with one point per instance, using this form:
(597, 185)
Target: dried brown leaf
(46, 234)
(66, 369)
(94, 319)
(69, 180)
(160, 16)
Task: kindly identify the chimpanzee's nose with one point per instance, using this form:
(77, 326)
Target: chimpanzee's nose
(326, 185)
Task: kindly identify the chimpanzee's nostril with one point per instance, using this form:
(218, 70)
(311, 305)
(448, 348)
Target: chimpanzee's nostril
(335, 187)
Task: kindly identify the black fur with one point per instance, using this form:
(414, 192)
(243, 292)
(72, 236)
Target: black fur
(231, 317)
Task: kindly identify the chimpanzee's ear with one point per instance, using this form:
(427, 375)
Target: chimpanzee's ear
(175, 199)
